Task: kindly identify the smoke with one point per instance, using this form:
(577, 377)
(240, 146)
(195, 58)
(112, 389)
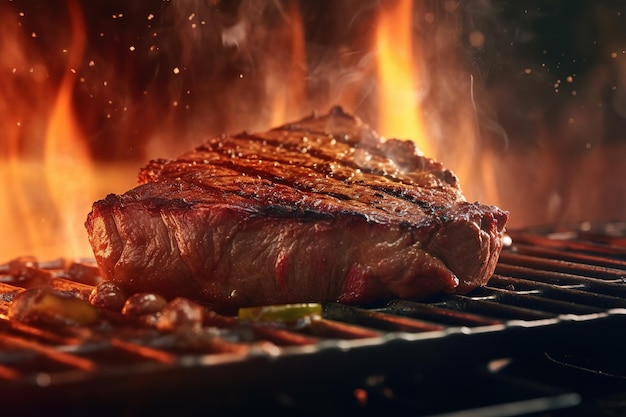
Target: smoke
(551, 78)
(524, 100)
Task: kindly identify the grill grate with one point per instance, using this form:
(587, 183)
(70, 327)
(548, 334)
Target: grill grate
(550, 289)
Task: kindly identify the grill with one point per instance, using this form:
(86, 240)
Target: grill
(542, 337)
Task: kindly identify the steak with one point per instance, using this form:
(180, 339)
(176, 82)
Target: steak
(318, 210)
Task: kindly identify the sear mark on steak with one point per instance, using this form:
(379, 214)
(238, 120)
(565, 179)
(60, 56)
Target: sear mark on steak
(322, 209)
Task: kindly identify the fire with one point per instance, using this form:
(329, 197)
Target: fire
(47, 172)
(21, 193)
(404, 84)
(286, 83)
(82, 109)
(399, 76)
(67, 163)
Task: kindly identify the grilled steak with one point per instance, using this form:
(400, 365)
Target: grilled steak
(318, 210)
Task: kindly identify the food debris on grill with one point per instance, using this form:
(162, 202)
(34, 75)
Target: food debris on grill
(322, 209)
(181, 313)
(107, 295)
(52, 307)
(141, 304)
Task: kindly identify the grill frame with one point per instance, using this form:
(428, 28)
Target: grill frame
(535, 303)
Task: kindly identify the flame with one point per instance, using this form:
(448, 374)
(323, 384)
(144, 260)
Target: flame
(399, 76)
(286, 83)
(20, 194)
(403, 77)
(165, 91)
(67, 162)
(46, 169)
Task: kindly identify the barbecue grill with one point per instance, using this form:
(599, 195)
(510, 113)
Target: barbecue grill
(541, 337)
(542, 86)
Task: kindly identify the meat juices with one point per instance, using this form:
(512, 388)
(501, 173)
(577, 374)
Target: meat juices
(322, 209)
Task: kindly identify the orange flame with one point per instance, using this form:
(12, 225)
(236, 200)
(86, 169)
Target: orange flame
(48, 178)
(67, 162)
(20, 194)
(399, 76)
(64, 142)
(286, 85)
(403, 78)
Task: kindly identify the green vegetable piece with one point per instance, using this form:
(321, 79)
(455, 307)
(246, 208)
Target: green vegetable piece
(284, 312)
